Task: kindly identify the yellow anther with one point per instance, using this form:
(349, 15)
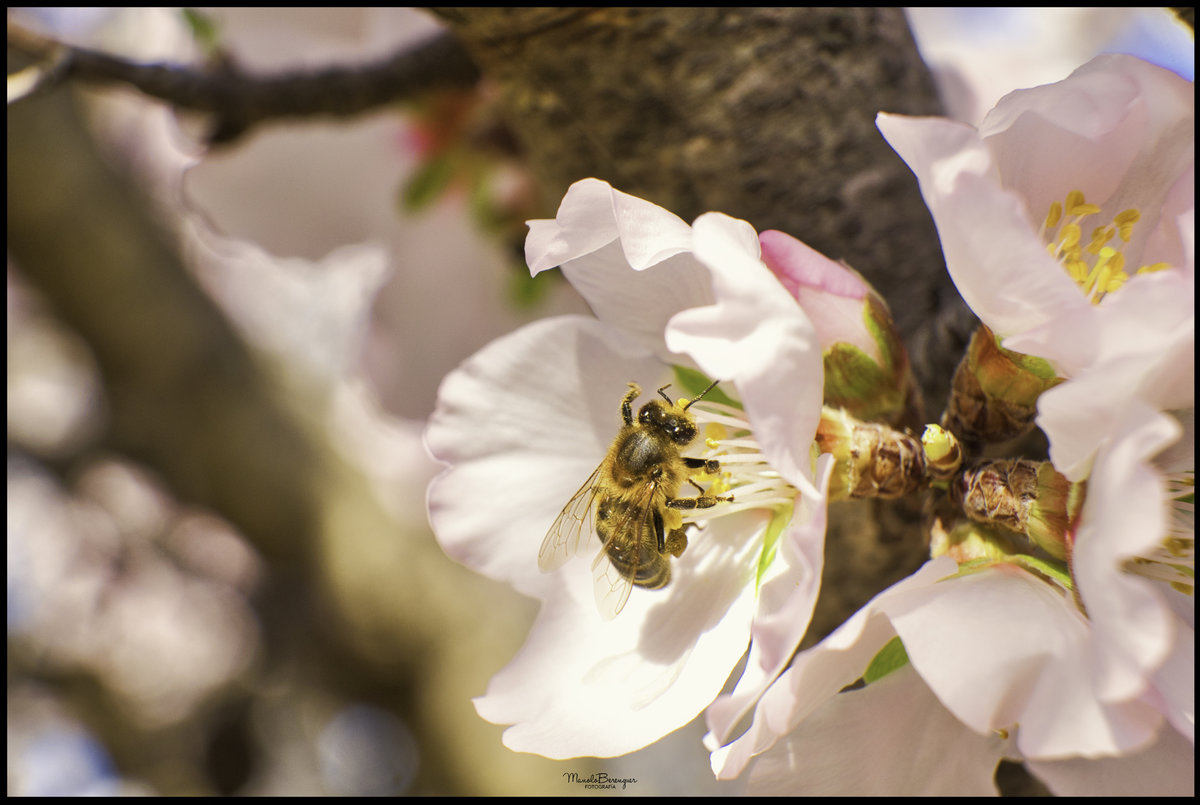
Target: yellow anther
(1053, 217)
(1096, 267)
(714, 432)
(1077, 269)
(1069, 236)
(1124, 222)
(1078, 207)
(1100, 236)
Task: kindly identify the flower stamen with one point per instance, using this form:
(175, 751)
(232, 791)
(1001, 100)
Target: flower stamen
(1096, 267)
(744, 469)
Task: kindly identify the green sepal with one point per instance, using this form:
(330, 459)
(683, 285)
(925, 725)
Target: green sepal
(693, 381)
(780, 518)
(892, 657)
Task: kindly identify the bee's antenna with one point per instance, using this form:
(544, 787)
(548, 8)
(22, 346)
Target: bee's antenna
(662, 391)
(699, 396)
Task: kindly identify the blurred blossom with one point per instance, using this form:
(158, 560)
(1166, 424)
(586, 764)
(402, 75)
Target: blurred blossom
(365, 751)
(62, 761)
(978, 55)
(55, 401)
(90, 596)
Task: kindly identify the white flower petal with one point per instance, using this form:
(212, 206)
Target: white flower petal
(582, 686)
(1175, 681)
(522, 430)
(825, 755)
(1123, 516)
(1165, 768)
(785, 605)
(758, 337)
(600, 234)
(592, 214)
(817, 674)
(1001, 648)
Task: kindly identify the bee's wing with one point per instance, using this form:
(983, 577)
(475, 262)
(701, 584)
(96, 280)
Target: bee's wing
(573, 526)
(610, 585)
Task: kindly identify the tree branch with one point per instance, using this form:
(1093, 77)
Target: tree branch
(238, 102)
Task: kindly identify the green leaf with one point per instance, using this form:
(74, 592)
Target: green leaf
(430, 181)
(204, 29)
(891, 657)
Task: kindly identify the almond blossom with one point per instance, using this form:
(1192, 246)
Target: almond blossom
(1067, 222)
(525, 421)
(1008, 665)
(1063, 195)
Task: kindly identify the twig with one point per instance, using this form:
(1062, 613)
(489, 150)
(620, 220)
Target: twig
(238, 101)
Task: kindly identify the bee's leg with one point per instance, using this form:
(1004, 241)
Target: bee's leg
(658, 532)
(709, 465)
(627, 403)
(698, 502)
(677, 542)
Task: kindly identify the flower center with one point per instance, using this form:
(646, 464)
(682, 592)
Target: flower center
(1097, 267)
(744, 469)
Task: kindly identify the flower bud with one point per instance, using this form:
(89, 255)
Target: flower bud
(943, 453)
(1028, 497)
(995, 391)
(871, 460)
(867, 371)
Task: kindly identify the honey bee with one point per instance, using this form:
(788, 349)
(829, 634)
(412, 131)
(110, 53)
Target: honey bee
(632, 502)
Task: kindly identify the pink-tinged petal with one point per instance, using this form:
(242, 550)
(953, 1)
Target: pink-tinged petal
(832, 294)
(817, 674)
(1173, 240)
(990, 243)
(798, 265)
(1125, 515)
(1119, 129)
(758, 337)
(825, 755)
(1146, 352)
(1001, 648)
(522, 427)
(1165, 768)
(786, 598)
(1150, 320)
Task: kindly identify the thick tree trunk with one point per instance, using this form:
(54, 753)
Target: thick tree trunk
(768, 115)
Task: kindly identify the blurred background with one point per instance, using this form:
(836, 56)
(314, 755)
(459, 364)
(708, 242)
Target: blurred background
(221, 579)
(153, 647)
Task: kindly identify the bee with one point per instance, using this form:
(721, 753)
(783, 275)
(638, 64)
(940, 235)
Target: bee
(632, 502)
